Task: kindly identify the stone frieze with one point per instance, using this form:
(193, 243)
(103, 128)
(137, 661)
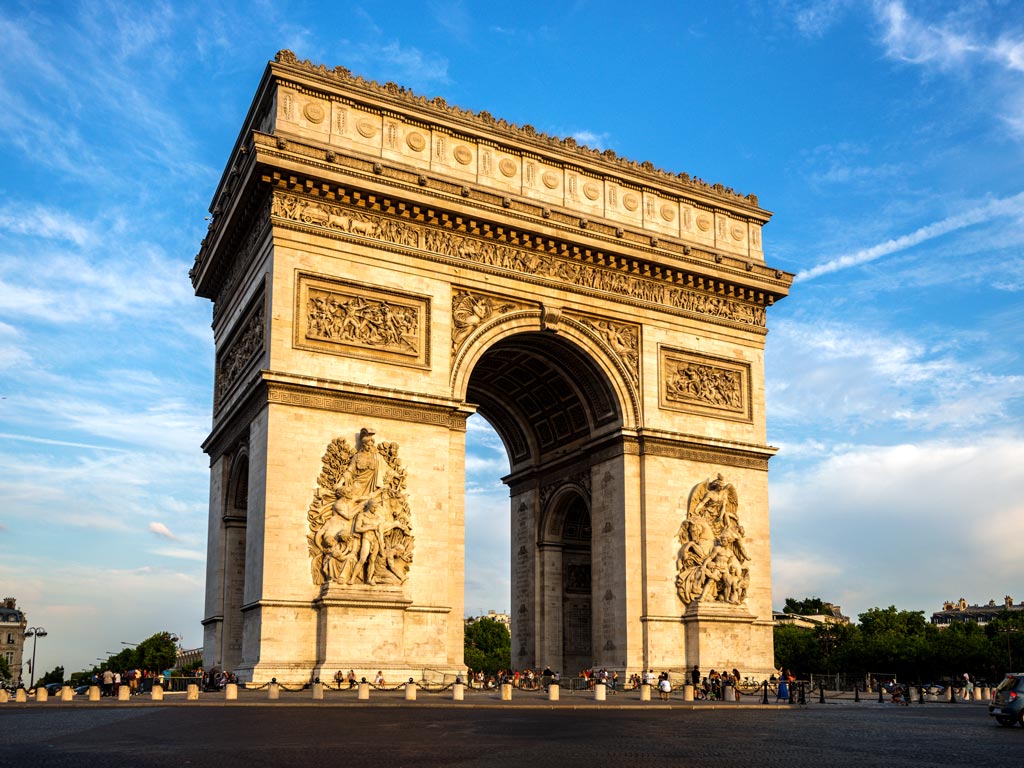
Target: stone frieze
(522, 261)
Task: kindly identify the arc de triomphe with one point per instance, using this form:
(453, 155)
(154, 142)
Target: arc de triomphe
(381, 267)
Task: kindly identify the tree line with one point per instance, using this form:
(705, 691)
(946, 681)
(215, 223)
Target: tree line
(902, 643)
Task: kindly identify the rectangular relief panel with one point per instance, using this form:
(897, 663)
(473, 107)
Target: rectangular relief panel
(343, 318)
(244, 346)
(695, 382)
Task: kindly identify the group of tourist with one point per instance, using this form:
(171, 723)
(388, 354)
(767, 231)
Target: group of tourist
(111, 680)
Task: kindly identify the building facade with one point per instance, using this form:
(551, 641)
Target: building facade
(12, 637)
(959, 610)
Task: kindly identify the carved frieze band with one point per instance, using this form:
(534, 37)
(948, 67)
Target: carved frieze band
(705, 455)
(350, 319)
(241, 350)
(699, 383)
(539, 264)
(364, 405)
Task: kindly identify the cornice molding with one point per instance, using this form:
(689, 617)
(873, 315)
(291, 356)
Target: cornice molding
(404, 99)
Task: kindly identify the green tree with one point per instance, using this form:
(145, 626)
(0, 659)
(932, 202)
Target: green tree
(797, 648)
(488, 646)
(809, 606)
(157, 652)
(55, 675)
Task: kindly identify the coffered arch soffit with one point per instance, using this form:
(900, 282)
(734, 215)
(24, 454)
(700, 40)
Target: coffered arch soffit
(543, 392)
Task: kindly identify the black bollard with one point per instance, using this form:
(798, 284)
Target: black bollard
(880, 689)
(856, 691)
(821, 694)
(803, 699)
(765, 687)
(920, 695)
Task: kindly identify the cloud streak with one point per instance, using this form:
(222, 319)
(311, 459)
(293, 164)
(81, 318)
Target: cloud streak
(1009, 206)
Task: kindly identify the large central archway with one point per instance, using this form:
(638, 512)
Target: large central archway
(382, 267)
(549, 401)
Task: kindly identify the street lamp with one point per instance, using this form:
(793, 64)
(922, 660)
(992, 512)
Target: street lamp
(34, 633)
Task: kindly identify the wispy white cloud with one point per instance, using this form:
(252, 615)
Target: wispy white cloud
(1010, 206)
(835, 376)
(162, 530)
(815, 18)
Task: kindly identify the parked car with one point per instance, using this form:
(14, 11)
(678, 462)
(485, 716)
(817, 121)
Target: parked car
(1007, 705)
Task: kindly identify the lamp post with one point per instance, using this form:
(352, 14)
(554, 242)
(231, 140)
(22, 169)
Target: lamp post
(35, 633)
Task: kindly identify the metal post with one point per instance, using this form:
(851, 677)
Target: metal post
(856, 691)
(803, 699)
(764, 685)
(880, 689)
(821, 692)
(34, 633)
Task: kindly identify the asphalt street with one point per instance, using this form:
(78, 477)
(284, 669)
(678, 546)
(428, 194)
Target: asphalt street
(391, 732)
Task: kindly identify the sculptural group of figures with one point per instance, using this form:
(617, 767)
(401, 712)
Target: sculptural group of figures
(360, 531)
(705, 383)
(712, 559)
(355, 319)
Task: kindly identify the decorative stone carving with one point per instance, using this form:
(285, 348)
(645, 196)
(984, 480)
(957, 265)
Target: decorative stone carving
(239, 353)
(523, 133)
(343, 318)
(360, 529)
(471, 308)
(622, 338)
(463, 155)
(314, 112)
(704, 384)
(712, 560)
(520, 260)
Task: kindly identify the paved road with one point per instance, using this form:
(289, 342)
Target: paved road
(431, 733)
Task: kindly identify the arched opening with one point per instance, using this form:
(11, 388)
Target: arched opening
(551, 405)
(234, 534)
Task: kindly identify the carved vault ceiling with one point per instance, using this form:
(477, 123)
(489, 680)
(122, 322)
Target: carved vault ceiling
(541, 395)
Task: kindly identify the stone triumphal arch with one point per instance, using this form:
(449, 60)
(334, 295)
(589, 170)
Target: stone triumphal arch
(381, 267)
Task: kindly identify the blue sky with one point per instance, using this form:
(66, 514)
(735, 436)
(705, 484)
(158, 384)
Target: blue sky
(888, 137)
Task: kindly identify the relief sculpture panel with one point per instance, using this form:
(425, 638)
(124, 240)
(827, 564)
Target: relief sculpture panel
(240, 351)
(622, 338)
(471, 309)
(360, 526)
(524, 261)
(704, 384)
(712, 561)
(350, 319)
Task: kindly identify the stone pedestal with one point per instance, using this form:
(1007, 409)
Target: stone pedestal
(124, 693)
(364, 692)
(553, 692)
(458, 692)
(192, 692)
(688, 692)
(717, 636)
(318, 691)
(231, 692)
(506, 692)
(645, 692)
(42, 694)
(600, 692)
(273, 690)
(157, 694)
(410, 691)
(67, 693)
(4, 696)
(20, 696)
(94, 693)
